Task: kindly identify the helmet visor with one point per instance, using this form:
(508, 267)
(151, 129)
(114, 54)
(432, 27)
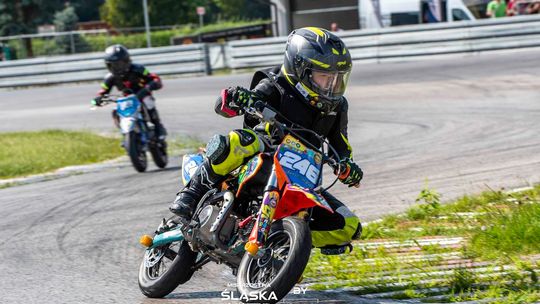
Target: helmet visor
(330, 84)
(117, 67)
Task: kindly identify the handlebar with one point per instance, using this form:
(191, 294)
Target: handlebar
(266, 113)
(107, 99)
(110, 98)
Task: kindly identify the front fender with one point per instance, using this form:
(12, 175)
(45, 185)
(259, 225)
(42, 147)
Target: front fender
(295, 199)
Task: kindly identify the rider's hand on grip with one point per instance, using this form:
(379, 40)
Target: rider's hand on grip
(350, 174)
(97, 102)
(239, 98)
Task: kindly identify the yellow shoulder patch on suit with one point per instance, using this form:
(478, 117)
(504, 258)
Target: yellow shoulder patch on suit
(348, 145)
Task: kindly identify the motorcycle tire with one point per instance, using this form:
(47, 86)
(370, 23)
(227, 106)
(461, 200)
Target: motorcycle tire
(135, 151)
(291, 270)
(159, 154)
(179, 272)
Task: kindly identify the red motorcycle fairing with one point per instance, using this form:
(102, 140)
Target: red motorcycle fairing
(285, 195)
(295, 199)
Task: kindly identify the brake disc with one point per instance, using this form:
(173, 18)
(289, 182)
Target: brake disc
(152, 257)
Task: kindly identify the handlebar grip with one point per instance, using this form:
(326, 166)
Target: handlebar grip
(345, 171)
(222, 107)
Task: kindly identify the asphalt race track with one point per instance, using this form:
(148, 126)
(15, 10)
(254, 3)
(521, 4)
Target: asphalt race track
(462, 123)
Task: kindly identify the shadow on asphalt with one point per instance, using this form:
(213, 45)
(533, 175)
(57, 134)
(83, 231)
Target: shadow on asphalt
(157, 170)
(195, 295)
(308, 298)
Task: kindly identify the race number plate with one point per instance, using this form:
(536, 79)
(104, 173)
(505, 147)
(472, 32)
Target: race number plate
(127, 106)
(301, 164)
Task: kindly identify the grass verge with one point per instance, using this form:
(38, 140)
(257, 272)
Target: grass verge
(483, 247)
(178, 144)
(25, 153)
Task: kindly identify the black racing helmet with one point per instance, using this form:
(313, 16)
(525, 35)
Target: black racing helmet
(318, 65)
(117, 59)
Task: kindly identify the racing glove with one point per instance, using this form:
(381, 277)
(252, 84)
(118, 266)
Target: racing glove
(97, 101)
(351, 175)
(239, 97)
(233, 101)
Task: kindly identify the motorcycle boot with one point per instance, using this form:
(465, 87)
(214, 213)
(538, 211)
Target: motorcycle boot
(203, 180)
(161, 132)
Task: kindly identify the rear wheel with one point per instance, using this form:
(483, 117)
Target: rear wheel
(166, 267)
(135, 150)
(270, 278)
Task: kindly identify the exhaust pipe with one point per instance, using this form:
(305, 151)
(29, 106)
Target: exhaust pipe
(228, 200)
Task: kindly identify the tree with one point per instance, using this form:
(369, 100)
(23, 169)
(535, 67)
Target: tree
(244, 9)
(122, 13)
(87, 10)
(65, 21)
(129, 13)
(170, 12)
(23, 16)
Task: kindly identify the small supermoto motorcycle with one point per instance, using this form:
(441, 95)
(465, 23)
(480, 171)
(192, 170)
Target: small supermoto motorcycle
(256, 222)
(139, 136)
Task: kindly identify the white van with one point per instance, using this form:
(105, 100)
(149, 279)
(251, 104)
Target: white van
(403, 12)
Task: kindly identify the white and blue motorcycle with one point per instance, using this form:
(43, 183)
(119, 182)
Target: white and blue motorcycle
(139, 135)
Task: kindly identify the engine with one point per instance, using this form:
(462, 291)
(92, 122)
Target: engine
(217, 222)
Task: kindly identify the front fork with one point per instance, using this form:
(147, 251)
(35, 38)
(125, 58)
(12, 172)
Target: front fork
(258, 235)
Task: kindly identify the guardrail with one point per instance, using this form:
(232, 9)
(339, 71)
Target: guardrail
(364, 45)
(191, 59)
(405, 41)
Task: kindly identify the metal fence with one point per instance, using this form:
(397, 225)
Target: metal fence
(364, 45)
(405, 41)
(191, 59)
(61, 43)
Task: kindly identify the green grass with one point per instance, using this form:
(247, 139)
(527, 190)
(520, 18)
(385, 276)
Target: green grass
(25, 153)
(182, 143)
(498, 259)
(509, 232)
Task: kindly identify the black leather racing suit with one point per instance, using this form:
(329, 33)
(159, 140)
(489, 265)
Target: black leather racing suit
(328, 229)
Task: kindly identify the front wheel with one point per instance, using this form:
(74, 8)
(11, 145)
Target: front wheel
(159, 153)
(166, 267)
(269, 278)
(135, 150)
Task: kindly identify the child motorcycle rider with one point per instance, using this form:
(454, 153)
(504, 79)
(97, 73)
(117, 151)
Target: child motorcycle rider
(308, 90)
(130, 78)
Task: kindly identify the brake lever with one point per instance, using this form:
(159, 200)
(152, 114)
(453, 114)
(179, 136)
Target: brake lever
(253, 112)
(261, 111)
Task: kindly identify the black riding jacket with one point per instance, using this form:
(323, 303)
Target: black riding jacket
(271, 87)
(135, 79)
